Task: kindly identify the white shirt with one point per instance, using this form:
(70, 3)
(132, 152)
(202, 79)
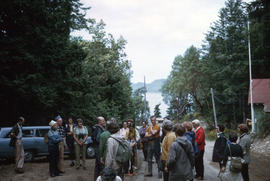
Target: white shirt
(19, 136)
(123, 132)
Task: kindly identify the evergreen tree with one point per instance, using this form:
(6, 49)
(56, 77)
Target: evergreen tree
(157, 112)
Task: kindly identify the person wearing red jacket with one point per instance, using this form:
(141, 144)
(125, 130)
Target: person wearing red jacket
(200, 140)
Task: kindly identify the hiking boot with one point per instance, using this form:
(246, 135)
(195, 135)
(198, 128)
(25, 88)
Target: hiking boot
(19, 170)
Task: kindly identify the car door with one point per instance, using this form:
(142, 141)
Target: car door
(6, 151)
(42, 147)
(28, 139)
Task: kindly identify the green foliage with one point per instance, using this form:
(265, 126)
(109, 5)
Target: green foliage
(259, 16)
(221, 64)
(264, 124)
(181, 87)
(157, 112)
(140, 110)
(45, 72)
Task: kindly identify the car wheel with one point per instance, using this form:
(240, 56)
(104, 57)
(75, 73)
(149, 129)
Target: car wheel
(28, 156)
(90, 152)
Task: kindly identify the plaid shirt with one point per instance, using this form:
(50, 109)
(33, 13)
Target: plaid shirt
(61, 131)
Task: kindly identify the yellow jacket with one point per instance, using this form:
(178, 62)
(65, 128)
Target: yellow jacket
(166, 145)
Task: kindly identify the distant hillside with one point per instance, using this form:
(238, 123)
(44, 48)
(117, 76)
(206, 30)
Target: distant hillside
(154, 86)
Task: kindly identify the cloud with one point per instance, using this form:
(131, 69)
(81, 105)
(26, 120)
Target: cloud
(156, 30)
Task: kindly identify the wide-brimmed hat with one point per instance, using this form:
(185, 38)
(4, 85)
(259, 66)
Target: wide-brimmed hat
(196, 121)
(52, 123)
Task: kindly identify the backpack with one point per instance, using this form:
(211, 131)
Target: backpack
(124, 151)
(236, 164)
(46, 138)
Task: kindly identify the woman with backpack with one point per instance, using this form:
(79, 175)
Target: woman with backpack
(231, 163)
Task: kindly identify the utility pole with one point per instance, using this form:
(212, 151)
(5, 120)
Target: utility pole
(250, 85)
(145, 106)
(214, 107)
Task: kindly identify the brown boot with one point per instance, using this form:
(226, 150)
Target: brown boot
(19, 170)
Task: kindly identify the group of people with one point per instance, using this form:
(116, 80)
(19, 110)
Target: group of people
(73, 136)
(236, 150)
(177, 148)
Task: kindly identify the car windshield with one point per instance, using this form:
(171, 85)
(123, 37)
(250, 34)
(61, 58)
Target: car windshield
(41, 132)
(28, 132)
(4, 133)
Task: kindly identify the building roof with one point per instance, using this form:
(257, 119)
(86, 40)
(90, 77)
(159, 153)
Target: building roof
(261, 93)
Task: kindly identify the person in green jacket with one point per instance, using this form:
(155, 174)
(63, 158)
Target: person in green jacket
(103, 142)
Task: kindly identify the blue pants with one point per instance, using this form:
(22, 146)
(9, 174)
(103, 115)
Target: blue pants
(53, 160)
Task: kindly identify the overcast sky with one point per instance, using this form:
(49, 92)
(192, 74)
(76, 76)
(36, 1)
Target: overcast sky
(156, 30)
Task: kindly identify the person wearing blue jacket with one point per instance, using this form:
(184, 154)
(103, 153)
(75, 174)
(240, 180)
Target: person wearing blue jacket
(191, 136)
(54, 139)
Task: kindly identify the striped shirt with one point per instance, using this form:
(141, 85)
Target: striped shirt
(61, 131)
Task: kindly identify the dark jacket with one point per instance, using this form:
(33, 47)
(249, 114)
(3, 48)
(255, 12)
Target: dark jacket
(181, 160)
(69, 138)
(235, 150)
(219, 147)
(15, 131)
(191, 138)
(96, 132)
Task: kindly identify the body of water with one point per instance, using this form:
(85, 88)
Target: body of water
(155, 98)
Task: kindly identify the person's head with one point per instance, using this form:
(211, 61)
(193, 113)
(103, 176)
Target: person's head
(233, 137)
(242, 128)
(143, 124)
(167, 126)
(188, 126)
(113, 127)
(59, 120)
(129, 122)
(101, 121)
(124, 124)
(132, 127)
(79, 122)
(53, 124)
(196, 123)
(220, 128)
(179, 129)
(153, 120)
(70, 120)
(166, 118)
(108, 174)
(21, 120)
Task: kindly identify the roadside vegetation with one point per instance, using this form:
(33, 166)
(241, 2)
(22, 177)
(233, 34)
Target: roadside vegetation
(222, 63)
(45, 71)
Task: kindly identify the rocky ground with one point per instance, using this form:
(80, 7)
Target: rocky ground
(261, 146)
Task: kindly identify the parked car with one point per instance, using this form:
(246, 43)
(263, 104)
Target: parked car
(33, 143)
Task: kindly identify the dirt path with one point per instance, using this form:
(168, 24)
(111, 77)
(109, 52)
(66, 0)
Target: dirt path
(39, 170)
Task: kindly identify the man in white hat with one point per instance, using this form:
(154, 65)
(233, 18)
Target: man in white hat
(200, 140)
(62, 133)
(54, 139)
